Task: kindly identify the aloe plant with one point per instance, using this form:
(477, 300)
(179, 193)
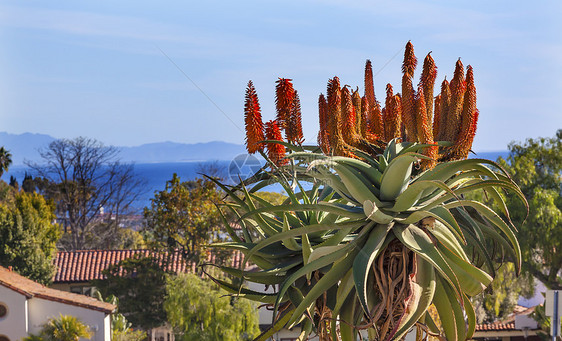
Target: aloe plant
(375, 230)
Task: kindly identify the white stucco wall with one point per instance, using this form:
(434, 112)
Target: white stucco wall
(14, 324)
(41, 310)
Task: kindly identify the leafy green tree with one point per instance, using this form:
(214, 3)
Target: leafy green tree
(184, 216)
(28, 184)
(14, 182)
(107, 236)
(28, 234)
(121, 328)
(501, 297)
(63, 328)
(5, 160)
(198, 310)
(536, 165)
(272, 197)
(139, 283)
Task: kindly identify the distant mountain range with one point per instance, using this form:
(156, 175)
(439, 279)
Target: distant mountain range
(25, 147)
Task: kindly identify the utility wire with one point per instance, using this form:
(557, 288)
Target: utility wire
(197, 86)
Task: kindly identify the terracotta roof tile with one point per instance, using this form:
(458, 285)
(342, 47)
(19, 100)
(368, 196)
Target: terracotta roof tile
(508, 323)
(496, 326)
(29, 288)
(87, 265)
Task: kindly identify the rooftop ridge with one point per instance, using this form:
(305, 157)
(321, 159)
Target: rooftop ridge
(14, 281)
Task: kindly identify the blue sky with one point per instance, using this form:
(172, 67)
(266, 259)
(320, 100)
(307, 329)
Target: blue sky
(95, 68)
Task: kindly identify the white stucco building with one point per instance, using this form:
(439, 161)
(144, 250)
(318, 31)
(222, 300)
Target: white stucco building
(25, 306)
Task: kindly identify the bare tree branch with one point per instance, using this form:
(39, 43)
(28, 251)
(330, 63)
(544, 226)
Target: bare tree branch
(90, 187)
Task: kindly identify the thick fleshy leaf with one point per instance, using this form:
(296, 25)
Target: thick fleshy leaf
(245, 293)
(320, 263)
(396, 176)
(449, 310)
(365, 258)
(472, 280)
(351, 212)
(418, 241)
(423, 289)
(329, 279)
(277, 326)
(495, 219)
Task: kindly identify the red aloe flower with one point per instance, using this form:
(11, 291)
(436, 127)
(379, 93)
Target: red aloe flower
(427, 82)
(408, 93)
(392, 115)
(334, 113)
(453, 119)
(436, 117)
(275, 151)
(410, 60)
(445, 101)
(469, 119)
(360, 119)
(253, 120)
(424, 132)
(369, 84)
(373, 114)
(284, 97)
(348, 117)
(323, 133)
(293, 130)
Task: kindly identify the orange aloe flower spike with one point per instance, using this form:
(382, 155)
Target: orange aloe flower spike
(408, 94)
(253, 121)
(392, 115)
(347, 116)
(360, 118)
(293, 131)
(429, 74)
(275, 151)
(469, 119)
(334, 114)
(374, 117)
(436, 117)
(284, 97)
(457, 87)
(369, 84)
(444, 107)
(323, 133)
(337, 143)
(366, 128)
(424, 133)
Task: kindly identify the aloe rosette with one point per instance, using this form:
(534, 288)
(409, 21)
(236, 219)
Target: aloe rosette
(367, 240)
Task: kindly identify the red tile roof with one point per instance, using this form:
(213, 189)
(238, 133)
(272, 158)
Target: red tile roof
(496, 326)
(87, 265)
(29, 288)
(507, 324)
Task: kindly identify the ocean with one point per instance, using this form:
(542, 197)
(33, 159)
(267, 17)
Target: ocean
(156, 175)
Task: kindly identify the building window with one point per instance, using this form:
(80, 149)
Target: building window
(3, 311)
(4, 338)
(83, 290)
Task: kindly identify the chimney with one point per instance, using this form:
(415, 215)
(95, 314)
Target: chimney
(10, 268)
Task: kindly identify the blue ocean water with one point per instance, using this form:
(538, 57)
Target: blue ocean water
(155, 175)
